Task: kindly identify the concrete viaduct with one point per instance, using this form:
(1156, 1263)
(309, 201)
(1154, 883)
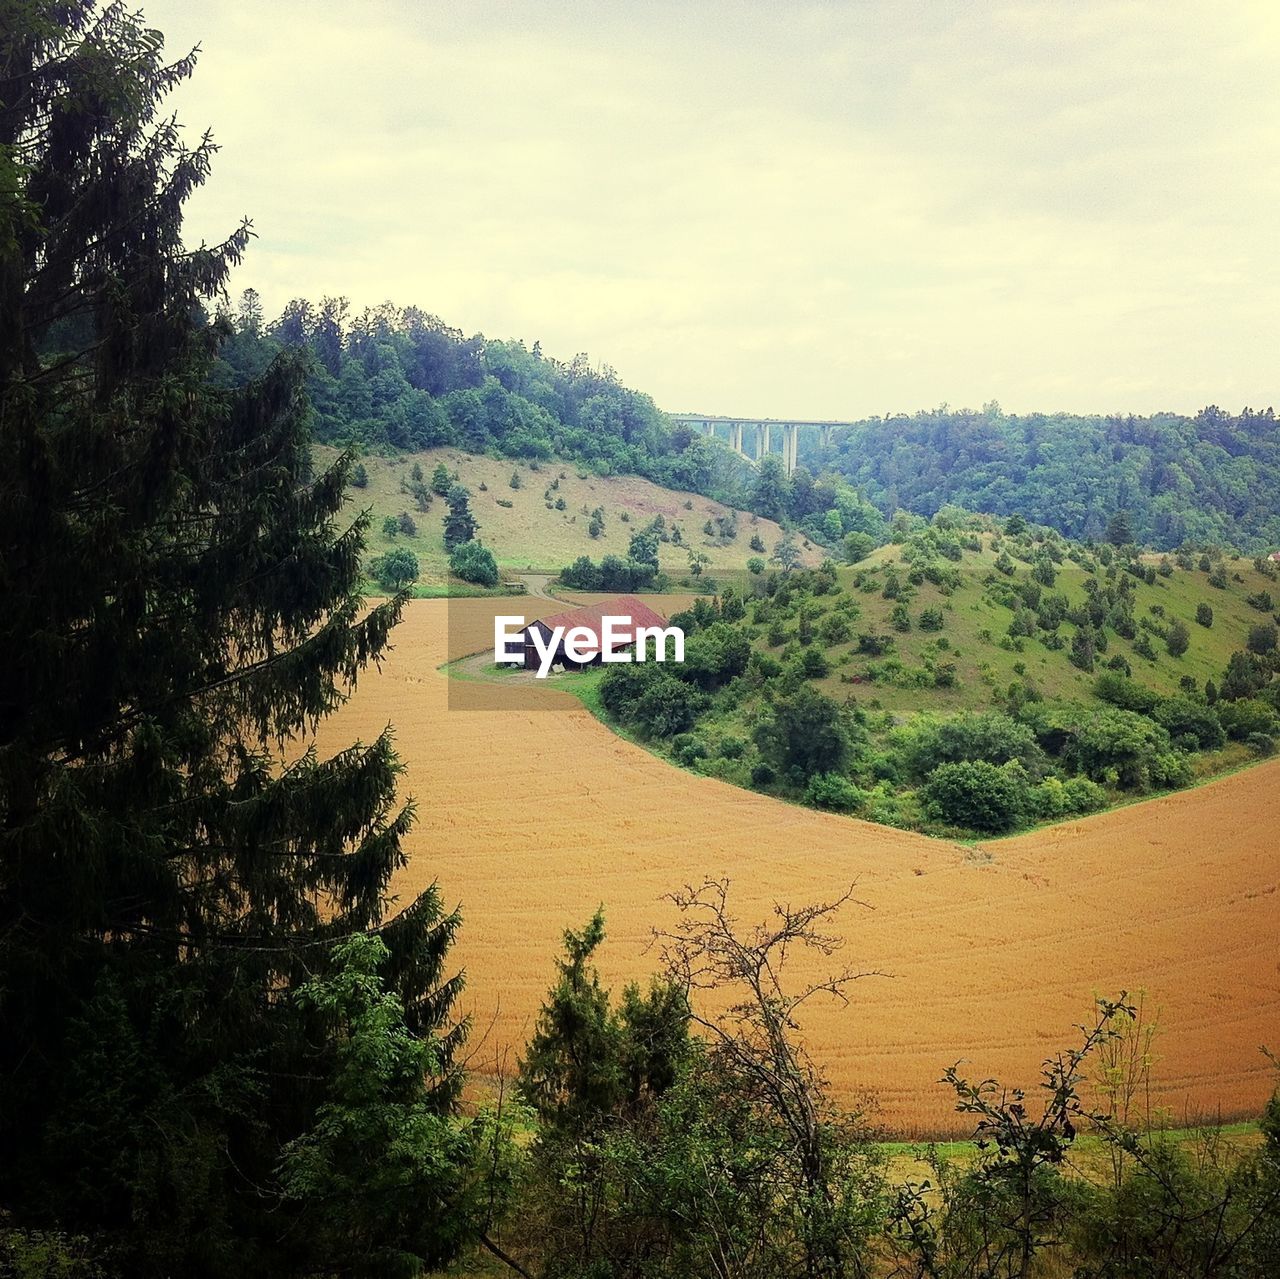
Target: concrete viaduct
(759, 432)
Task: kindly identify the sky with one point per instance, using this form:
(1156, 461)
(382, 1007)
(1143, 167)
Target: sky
(812, 210)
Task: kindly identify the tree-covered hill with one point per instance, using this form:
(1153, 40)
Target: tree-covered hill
(972, 675)
(400, 379)
(1209, 479)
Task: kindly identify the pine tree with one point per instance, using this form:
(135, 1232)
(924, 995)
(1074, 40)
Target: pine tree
(179, 607)
(459, 525)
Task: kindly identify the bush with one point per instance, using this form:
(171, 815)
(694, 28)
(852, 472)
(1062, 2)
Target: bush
(687, 749)
(931, 619)
(732, 747)
(1171, 770)
(1261, 743)
(835, 792)
(396, 569)
(714, 655)
(813, 664)
(857, 546)
(408, 526)
(1204, 614)
(1263, 638)
(1177, 639)
(1186, 718)
(1121, 691)
(989, 736)
(978, 795)
(804, 734)
(1247, 716)
(474, 562)
(667, 706)
(359, 476)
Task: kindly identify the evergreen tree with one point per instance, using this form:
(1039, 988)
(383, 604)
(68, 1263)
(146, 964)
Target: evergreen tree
(459, 525)
(1119, 529)
(771, 493)
(179, 605)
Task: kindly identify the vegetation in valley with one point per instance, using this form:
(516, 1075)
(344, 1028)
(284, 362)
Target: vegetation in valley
(972, 676)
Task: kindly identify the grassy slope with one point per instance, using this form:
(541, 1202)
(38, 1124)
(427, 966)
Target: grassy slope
(982, 665)
(531, 535)
(984, 668)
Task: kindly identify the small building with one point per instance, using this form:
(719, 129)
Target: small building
(591, 617)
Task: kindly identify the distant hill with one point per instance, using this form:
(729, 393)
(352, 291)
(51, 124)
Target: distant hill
(1212, 478)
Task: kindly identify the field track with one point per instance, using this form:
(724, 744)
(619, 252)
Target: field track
(530, 817)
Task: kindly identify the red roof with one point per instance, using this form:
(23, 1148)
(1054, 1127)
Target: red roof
(592, 617)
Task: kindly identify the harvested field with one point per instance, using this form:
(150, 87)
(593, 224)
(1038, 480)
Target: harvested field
(531, 817)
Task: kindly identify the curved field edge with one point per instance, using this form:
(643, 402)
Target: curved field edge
(533, 813)
(585, 688)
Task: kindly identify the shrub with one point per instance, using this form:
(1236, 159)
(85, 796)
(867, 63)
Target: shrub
(835, 792)
(1248, 715)
(359, 476)
(1121, 691)
(804, 734)
(667, 706)
(1263, 638)
(931, 619)
(988, 736)
(1171, 770)
(408, 526)
(1186, 718)
(732, 747)
(857, 546)
(978, 795)
(396, 569)
(1204, 614)
(687, 749)
(474, 562)
(813, 664)
(1177, 639)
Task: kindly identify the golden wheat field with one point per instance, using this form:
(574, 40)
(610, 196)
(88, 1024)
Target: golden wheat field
(531, 817)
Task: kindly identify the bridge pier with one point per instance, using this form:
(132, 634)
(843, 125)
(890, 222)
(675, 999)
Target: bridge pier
(791, 446)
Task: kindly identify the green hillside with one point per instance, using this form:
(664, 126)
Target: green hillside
(1049, 678)
(545, 522)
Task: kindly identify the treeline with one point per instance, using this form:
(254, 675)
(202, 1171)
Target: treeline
(1202, 480)
(390, 377)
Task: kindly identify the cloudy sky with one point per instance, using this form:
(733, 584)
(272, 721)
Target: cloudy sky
(819, 210)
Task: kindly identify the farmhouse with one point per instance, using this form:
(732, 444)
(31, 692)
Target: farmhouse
(591, 617)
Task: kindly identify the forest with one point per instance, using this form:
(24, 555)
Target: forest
(1210, 479)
